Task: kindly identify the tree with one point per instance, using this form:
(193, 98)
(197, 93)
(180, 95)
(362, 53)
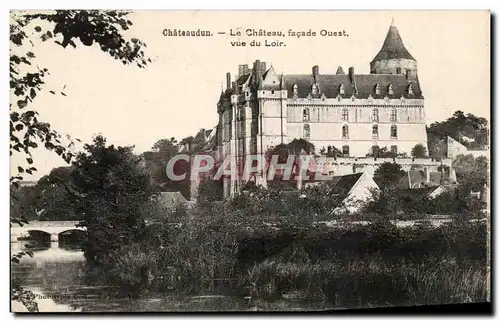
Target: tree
(168, 146)
(388, 173)
(377, 152)
(472, 173)
(437, 149)
(111, 188)
(27, 79)
(460, 125)
(295, 148)
(419, 151)
(209, 191)
(331, 152)
(384, 204)
(23, 202)
(157, 160)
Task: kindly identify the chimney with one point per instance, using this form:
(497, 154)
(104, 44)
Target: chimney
(351, 74)
(257, 70)
(315, 72)
(242, 70)
(228, 81)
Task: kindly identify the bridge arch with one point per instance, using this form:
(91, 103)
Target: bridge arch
(73, 235)
(38, 235)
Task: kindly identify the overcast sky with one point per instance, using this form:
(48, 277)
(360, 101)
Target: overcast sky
(177, 94)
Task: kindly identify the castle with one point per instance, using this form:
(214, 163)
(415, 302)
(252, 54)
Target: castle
(352, 112)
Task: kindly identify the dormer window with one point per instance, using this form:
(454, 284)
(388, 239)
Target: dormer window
(377, 89)
(410, 90)
(341, 89)
(314, 89)
(390, 90)
(295, 90)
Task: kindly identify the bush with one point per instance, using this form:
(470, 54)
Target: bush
(255, 245)
(132, 269)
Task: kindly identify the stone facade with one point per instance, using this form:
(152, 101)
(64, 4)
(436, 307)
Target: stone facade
(348, 111)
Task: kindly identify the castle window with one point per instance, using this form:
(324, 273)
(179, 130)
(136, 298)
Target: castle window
(345, 114)
(394, 149)
(305, 115)
(272, 92)
(307, 131)
(394, 132)
(398, 70)
(390, 90)
(377, 89)
(375, 131)
(375, 115)
(295, 90)
(345, 150)
(341, 89)
(345, 132)
(410, 90)
(394, 115)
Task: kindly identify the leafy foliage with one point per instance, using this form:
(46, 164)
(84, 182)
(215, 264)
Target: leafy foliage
(27, 79)
(460, 125)
(384, 152)
(388, 173)
(331, 152)
(471, 172)
(111, 186)
(419, 151)
(63, 27)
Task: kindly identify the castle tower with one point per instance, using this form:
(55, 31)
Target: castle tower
(393, 58)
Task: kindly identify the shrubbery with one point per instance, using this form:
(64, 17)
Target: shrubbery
(267, 246)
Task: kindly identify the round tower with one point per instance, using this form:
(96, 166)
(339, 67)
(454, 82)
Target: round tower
(393, 58)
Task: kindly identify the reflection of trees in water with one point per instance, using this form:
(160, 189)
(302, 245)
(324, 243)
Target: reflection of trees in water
(72, 240)
(37, 245)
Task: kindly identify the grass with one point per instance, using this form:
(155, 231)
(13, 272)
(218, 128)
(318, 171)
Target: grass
(369, 283)
(351, 267)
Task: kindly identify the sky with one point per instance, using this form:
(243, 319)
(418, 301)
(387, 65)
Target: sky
(177, 93)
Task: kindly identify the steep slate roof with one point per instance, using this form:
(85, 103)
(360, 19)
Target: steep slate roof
(393, 47)
(365, 85)
(341, 185)
(328, 84)
(411, 178)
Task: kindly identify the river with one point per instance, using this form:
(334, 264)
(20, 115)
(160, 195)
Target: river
(56, 275)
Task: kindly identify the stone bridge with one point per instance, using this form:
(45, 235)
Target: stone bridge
(53, 228)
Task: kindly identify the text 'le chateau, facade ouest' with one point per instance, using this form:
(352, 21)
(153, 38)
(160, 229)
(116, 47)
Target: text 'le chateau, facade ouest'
(351, 112)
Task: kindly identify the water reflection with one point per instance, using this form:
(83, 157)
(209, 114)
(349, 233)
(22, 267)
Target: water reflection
(58, 277)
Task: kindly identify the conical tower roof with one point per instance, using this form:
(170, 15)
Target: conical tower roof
(393, 47)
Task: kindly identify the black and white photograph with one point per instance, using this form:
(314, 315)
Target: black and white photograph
(248, 161)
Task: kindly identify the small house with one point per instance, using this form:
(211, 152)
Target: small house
(353, 189)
